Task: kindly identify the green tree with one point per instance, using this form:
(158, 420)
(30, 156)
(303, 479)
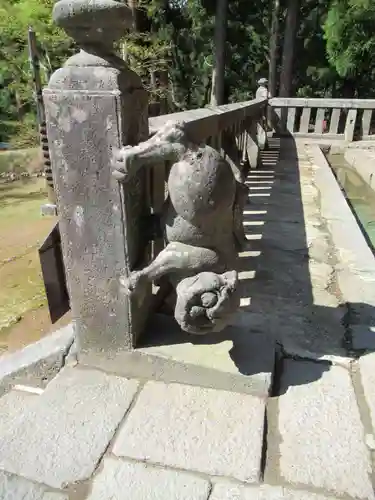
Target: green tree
(350, 43)
(17, 107)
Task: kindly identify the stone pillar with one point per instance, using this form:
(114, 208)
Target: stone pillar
(95, 105)
(262, 93)
(252, 146)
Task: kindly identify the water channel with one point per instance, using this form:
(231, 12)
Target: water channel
(360, 197)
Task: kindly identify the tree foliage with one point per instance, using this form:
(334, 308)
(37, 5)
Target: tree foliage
(350, 41)
(17, 109)
(172, 49)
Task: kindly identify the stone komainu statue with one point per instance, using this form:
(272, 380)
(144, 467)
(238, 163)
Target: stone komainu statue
(202, 224)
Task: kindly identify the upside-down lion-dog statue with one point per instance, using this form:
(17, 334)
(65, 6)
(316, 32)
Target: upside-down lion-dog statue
(202, 224)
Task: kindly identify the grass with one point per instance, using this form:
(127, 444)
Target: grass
(20, 160)
(22, 231)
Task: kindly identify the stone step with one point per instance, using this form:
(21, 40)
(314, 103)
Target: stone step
(321, 436)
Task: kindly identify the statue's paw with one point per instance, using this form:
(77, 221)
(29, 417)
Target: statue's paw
(206, 302)
(121, 164)
(132, 282)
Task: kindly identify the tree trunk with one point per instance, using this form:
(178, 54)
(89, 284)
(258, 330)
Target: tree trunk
(218, 72)
(272, 75)
(288, 48)
(164, 86)
(348, 88)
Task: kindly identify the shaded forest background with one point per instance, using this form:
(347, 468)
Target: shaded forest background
(193, 52)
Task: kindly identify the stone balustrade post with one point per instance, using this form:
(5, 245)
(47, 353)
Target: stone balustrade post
(252, 146)
(95, 105)
(262, 93)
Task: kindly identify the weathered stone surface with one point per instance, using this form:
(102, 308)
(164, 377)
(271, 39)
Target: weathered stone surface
(363, 337)
(366, 366)
(138, 481)
(225, 491)
(307, 332)
(93, 107)
(61, 436)
(37, 363)
(358, 290)
(17, 488)
(12, 405)
(210, 431)
(247, 358)
(322, 437)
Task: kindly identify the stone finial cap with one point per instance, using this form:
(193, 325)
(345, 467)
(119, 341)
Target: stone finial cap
(262, 81)
(95, 21)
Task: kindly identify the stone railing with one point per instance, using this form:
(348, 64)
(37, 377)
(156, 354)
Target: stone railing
(332, 119)
(234, 130)
(140, 207)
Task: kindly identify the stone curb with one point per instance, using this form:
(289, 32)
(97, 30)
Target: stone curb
(355, 270)
(37, 363)
(345, 232)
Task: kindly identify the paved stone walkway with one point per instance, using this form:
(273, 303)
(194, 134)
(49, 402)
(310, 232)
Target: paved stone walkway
(307, 281)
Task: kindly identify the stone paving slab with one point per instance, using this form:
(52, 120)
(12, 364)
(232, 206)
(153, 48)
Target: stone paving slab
(363, 337)
(118, 480)
(12, 405)
(215, 432)
(17, 488)
(322, 436)
(367, 371)
(37, 363)
(60, 437)
(303, 335)
(227, 491)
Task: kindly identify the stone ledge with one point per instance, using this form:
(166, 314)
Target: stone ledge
(353, 251)
(37, 363)
(356, 267)
(235, 360)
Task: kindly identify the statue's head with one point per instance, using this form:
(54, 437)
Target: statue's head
(206, 302)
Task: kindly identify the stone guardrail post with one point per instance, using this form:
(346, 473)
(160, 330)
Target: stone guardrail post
(95, 105)
(262, 93)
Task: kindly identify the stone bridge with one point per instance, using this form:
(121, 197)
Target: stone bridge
(260, 384)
